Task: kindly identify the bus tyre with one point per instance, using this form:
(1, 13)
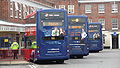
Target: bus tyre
(31, 60)
(60, 61)
(79, 56)
(34, 60)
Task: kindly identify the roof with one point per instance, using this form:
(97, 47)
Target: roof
(77, 16)
(10, 23)
(15, 24)
(97, 1)
(33, 4)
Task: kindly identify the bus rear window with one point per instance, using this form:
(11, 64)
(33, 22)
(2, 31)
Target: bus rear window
(53, 38)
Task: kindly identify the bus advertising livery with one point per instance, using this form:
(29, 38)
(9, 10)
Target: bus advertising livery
(95, 36)
(77, 33)
(52, 35)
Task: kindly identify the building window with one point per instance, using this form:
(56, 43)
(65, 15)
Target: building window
(32, 9)
(70, 8)
(89, 20)
(25, 11)
(20, 11)
(114, 23)
(61, 6)
(16, 10)
(114, 8)
(87, 8)
(101, 8)
(102, 21)
(11, 9)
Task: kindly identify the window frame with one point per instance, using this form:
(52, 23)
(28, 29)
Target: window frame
(11, 9)
(88, 8)
(114, 8)
(102, 22)
(115, 23)
(89, 20)
(63, 6)
(69, 8)
(101, 8)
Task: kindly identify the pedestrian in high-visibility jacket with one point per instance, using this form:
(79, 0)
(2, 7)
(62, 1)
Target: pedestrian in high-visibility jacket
(34, 46)
(14, 46)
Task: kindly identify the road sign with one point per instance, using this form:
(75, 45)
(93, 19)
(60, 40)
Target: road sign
(114, 34)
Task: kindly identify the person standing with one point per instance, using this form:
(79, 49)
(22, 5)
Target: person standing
(15, 46)
(34, 46)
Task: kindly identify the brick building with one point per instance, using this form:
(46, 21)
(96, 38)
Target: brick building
(69, 5)
(108, 13)
(13, 16)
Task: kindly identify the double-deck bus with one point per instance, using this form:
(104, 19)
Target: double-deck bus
(51, 35)
(95, 37)
(77, 36)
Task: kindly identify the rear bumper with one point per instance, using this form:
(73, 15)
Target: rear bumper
(95, 49)
(83, 51)
(53, 58)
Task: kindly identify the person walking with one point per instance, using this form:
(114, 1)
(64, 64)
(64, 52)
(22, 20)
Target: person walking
(15, 46)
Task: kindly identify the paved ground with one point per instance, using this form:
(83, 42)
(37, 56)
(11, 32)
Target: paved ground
(104, 59)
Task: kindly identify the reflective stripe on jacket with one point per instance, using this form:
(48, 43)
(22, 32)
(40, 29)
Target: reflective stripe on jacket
(34, 45)
(14, 45)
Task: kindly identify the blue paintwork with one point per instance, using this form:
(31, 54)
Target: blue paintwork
(78, 49)
(95, 45)
(58, 47)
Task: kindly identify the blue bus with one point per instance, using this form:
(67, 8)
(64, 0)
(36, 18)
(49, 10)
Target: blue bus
(95, 37)
(77, 36)
(51, 35)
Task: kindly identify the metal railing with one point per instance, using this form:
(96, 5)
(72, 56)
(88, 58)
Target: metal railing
(11, 55)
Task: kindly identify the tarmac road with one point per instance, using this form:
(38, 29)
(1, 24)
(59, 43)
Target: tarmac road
(104, 59)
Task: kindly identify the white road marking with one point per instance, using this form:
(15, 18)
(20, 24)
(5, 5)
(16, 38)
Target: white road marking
(32, 66)
(45, 66)
(35, 66)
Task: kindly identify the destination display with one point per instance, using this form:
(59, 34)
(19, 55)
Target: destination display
(74, 21)
(52, 15)
(94, 28)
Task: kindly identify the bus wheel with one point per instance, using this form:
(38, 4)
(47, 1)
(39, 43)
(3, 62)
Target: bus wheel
(79, 56)
(35, 60)
(31, 60)
(60, 61)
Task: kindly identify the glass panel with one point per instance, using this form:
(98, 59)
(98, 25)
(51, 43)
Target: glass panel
(52, 16)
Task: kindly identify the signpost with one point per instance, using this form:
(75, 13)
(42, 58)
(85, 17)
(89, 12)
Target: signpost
(114, 34)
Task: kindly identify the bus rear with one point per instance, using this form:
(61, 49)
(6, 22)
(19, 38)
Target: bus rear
(52, 35)
(95, 37)
(77, 33)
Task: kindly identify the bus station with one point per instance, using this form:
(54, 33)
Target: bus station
(59, 33)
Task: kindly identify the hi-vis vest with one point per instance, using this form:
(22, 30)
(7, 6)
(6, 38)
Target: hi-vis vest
(34, 45)
(14, 45)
